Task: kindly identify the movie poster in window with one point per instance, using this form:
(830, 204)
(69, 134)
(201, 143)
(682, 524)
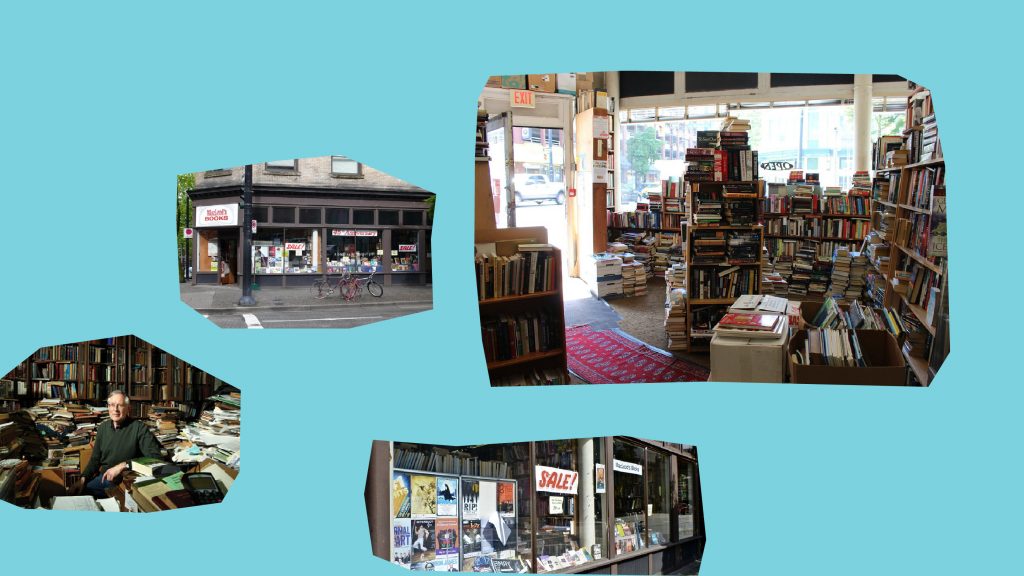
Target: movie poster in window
(470, 537)
(402, 548)
(401, 500)
(470, 499)
(447, 496)
(424, 497)
(506, 498)
(447, 536)
(424, 543)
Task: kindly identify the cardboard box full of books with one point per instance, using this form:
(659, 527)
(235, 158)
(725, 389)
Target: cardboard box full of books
(885, 364)
(749, 359)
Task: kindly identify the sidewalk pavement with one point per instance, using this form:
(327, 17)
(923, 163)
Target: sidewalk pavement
(217, 299)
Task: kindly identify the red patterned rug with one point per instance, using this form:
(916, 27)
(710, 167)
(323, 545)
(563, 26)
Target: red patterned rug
(613, 357)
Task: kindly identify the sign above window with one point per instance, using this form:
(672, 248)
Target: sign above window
(336, 232)
(627, 467)
(217, 215)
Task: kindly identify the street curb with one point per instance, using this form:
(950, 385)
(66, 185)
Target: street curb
(298, 307)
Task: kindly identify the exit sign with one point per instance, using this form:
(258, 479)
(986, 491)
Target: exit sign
(521, 99)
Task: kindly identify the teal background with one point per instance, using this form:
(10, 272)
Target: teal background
(102, 104)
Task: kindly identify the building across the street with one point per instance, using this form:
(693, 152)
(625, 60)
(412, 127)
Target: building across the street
(311, 216)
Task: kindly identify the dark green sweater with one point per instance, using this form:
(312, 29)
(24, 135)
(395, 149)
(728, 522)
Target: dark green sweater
(115, 445)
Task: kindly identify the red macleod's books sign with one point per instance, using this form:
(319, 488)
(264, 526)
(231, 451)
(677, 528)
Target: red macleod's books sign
(556, 480)
(336, 232)
(219, 215)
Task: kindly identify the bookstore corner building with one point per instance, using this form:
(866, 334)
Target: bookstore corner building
(703, 226)
(608, 505)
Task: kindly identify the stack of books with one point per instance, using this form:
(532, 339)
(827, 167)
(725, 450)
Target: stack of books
(743, 325)
(634, 278)
(827, 347)
(930, 145)
(733, 124)
(675, 318)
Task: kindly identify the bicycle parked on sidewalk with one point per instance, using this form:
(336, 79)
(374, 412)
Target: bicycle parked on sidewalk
(347, 285)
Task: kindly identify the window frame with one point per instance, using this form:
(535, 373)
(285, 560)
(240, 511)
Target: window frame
(358, 173)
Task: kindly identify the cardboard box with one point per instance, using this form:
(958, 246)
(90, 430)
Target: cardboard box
(749, 359)
(566, 83)
(542, 82)
(514, 82)
(886, 364)
(584, 81)
(493, 82)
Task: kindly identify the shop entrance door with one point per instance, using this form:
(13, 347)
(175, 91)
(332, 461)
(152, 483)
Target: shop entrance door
(499, 135)
(228, 249)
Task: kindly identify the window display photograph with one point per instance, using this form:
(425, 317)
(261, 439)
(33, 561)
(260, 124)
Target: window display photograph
(292, 243)
(116, 425)
(567, 506)
(724, 226)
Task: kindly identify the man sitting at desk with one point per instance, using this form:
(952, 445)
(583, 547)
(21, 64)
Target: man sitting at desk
(118, 441)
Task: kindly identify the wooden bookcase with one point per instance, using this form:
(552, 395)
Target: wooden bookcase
(548, 303)
(703, 342)
(86, 372)
(917, 196)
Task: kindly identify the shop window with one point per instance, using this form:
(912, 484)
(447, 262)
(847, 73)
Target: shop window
(337, 216)
(309, 216)
(282, 165)
(208, 255)
(363, 217)
(659, 495)
(412, 218)
(277, 251)
(261, 213)
(284, 215)
(683, 509)
(342, 166)
(630, 516)
(354, 251)
(387, 217)
(405, 251)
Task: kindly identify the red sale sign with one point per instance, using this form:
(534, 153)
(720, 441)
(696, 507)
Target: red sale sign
(556, 480)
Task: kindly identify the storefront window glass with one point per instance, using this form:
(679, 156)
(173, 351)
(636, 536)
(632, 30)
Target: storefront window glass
(261, 213)
(284, 214)
(412, 217)
(337, 215)
(277, 251)
(362, 217)
(658, 497)
(599, 549)
(630, 519)
(387, 217)
(309, 216)
(684, 505)
(208, 255)
(354, 251)
(404, 251)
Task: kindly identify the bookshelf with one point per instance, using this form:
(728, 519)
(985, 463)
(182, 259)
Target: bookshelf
(514, 319)
(86, 372)
(910, 204)
(724, 247)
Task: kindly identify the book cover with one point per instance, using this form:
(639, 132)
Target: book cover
(402, 547)
(424, 542)
(447, 536)
(506, 498)
(401, 501)
(424, 496)
(470, 537)
(470, 499)
(749, 321)
(447, 496)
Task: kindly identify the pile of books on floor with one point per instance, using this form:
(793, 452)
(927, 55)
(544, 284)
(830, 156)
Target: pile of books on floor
(165, 423)
(215, 435)
(675, 308)
(743, 325)
(668, 251)
(803, 266)
(821, 272)
(66, 424)
(607, 275)
(19, 484)
(634, 278)
(848, 271)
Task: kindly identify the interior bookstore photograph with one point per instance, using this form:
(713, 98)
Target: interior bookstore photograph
(710, 226)
(607, 505)
(116, 425)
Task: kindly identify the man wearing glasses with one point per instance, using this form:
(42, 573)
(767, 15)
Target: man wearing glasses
(118, 441)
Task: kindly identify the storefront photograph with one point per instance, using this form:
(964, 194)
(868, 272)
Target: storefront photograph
(608, 505)
(307, 232)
